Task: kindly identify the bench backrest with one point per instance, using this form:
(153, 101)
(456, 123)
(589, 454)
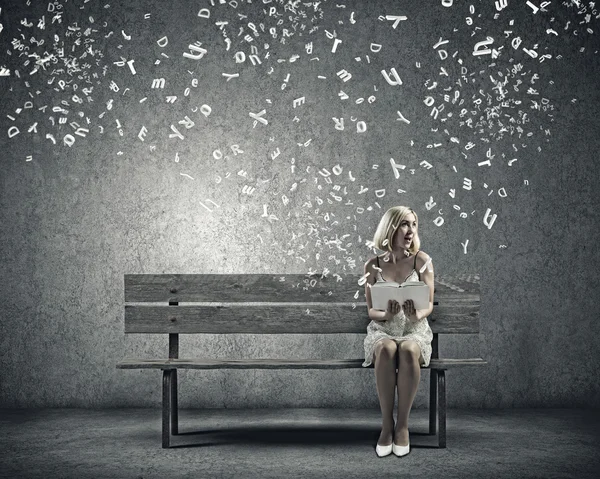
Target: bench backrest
(286, 304)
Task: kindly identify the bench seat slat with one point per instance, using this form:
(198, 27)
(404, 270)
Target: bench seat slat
(274, 363)
(446, 363)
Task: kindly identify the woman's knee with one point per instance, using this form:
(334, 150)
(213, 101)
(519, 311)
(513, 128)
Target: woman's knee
(410, 351)
(385, 348)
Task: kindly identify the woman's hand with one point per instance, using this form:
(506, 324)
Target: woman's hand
(393, 307)
(409, 310)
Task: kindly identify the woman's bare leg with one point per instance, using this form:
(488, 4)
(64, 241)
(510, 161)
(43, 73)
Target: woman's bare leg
(385, 377)
(409, 375)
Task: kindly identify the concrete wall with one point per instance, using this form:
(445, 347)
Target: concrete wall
(130, 186)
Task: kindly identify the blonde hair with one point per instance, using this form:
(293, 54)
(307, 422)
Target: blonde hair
(388, 225)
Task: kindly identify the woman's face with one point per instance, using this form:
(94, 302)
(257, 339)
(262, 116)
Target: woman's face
(405, 233)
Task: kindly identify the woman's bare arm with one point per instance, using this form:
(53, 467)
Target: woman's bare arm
(376, 315)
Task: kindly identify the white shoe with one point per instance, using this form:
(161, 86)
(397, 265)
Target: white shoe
(383, 450)
(401, 450)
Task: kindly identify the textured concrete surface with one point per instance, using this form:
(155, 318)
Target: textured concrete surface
(75, 219)
(306, 443)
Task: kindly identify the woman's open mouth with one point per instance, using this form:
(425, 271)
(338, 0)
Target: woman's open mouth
(408, 238)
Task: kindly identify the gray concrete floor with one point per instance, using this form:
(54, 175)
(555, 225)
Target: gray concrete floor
(286, 443)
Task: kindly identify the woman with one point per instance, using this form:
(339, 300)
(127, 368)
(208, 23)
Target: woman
(400, 335)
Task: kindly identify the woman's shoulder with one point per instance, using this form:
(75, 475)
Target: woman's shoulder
(372, 269)
(422, 258)
(375, 256)
(370, 262)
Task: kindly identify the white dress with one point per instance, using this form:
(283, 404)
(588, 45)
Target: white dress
(399, 328)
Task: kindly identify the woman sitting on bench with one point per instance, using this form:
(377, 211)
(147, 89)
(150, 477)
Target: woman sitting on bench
(400, 336)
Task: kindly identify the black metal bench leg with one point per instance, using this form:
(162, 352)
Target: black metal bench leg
(174, 418)
(442, 402)
(433, 403)
(167, 408)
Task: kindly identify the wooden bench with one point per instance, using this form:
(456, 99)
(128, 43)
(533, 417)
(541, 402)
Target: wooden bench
(280, 304)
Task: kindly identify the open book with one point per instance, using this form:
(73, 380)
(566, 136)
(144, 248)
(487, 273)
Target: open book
(383, 291)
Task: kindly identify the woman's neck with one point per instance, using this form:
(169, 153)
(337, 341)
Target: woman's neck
(396, 257)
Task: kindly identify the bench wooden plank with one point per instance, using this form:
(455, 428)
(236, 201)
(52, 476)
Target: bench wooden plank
(446, 363)
(204, 363)
(248, 287)
(468, 283)
(284, 318)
